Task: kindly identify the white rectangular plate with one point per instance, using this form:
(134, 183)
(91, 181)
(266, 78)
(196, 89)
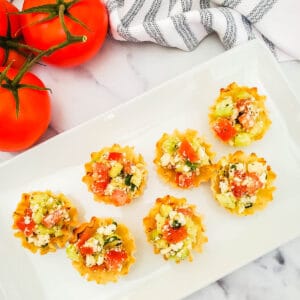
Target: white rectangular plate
(180, 103)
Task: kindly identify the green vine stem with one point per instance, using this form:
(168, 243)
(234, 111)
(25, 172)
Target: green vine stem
(14, 85)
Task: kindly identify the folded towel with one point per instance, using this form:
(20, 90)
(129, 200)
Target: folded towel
(184, 23)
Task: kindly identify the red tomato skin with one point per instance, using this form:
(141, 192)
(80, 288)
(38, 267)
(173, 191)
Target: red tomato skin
(86, 250)
(115, 156)
(184, 181)
(174, 235)
(20, 132)
(27, 229)
(47, 34)
(187, 151)
(119, 197)
(115, 258)
(101, 178)
(52, 219)
(224, 129)
(7, 14)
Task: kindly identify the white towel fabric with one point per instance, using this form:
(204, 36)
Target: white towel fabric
(184, 23)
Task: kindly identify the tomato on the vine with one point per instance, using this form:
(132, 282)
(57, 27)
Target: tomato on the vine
(21, 128)
(10, 29)
(81, 17)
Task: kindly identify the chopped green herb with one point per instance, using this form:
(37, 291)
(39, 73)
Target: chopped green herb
(176, 224)
(193, 166)
(111, 239)
(132, 187)
(127, 179)
(248, 205)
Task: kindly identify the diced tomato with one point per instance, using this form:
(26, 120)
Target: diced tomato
(254, 183)
(115, 156)
(224, 129)
(242, 104)
(187, 211)
(28, 228)
(245, 184)
(52, 219)
(115, 258)
(184, 180)
(127, 167)
(246, 120)
(174, 235)
(186, 150)
(101, 176)
(86, 250)
(119, 197)
(100, 169)
(84, 236)
(98, 186)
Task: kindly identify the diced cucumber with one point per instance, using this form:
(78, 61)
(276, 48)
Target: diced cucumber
(170, 144)
(99, 237)
(180, 166)
(72, 252)
(115, 170)
(226, 200)
(224, 108)
(113, 241)
(183, 253)
(38, 216)
(242, 139)
(136, 179)
(154, 235)
(165, 210)
(41, 229)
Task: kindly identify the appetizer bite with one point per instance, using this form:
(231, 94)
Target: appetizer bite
(115, 175)
(101, 250)
(183, 159)
(239, 116)
(243, 183)
(44, 221)
(174, 229)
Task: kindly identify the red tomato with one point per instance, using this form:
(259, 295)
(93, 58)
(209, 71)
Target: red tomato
(254, 183)
(115, 156)
(224, 129)
(174, 235)
(115, 258)
(42, 34)
(86, 250)
(242, 104)
(84, 236)
(101, 176)
(127, 167)
(9, 20)
(29, 227)
(22, 131)
(52, 219)
(119, 197)
(246, 120)
(186, 150)
(184, 181)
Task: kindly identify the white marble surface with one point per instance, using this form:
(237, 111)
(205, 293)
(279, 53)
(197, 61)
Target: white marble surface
(123, 70)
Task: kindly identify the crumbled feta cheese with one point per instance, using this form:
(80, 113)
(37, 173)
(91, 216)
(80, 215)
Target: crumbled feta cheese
(40, 240)
(50, 200)
(90, 260)
(100, 260)
(34, 207)
(165, 251)
(109, 189)
(107, 230)
(224, 186)
(94, 244)
(177, 246)
(165, 159)
(177, 216)
(186, 169)
(27, 220)
(176, 158)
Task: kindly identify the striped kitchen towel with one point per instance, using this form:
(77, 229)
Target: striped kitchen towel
(184, 23)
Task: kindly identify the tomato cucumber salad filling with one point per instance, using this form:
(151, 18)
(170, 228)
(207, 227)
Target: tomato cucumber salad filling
(99, 249)
(239, 116)
(185, 157)
(175, 232)
(46, 217)
(117, 176)
(239, 183)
